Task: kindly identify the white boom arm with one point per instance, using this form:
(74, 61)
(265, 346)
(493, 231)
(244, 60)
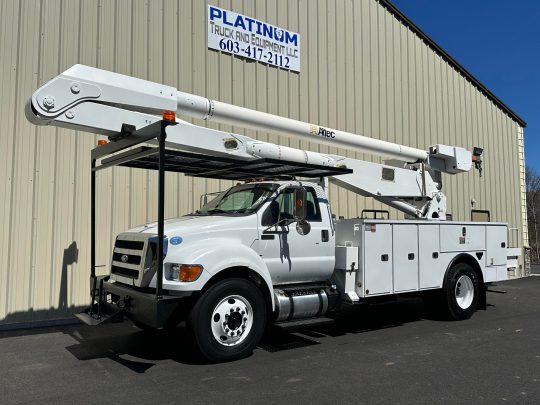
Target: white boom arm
(206, 109)
(99, 101)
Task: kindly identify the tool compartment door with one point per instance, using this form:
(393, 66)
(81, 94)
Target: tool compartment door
(496, 244)
(377, 259)
(431, 265)
(463, 237)
(405, 248)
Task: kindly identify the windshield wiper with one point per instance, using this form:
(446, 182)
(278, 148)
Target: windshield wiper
(217, 211)
(242, 210)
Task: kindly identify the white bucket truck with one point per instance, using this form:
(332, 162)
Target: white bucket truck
(267, 250)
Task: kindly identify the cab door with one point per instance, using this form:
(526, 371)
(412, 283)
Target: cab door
(290, 256)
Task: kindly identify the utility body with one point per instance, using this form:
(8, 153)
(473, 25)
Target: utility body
(267, 250)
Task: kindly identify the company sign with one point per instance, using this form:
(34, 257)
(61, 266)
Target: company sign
(250, 38)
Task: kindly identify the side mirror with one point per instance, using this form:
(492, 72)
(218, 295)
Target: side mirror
(300, 197)
(303, 227)
(300, 211)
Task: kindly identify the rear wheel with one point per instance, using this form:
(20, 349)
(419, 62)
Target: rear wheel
(228, 320)
(461, 291)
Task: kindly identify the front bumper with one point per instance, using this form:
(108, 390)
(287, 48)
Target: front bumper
(112, 301)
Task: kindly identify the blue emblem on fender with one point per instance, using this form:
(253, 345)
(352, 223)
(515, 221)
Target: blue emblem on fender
(176, 240)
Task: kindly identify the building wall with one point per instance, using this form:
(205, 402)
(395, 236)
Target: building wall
(362, 71)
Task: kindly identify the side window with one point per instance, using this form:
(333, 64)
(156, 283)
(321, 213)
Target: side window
(280, 208)
(313, 213)
(283, 207)
(286, 204)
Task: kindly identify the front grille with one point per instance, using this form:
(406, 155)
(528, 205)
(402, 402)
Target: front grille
(121, 271)
(130, 259)
(129, 244)
(133, 258)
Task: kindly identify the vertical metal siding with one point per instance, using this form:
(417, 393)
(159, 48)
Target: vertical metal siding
(362, 71)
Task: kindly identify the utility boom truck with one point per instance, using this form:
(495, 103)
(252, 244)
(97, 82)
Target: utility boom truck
(267, 250)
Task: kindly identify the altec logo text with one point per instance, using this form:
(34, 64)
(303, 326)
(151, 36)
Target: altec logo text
(326, 132)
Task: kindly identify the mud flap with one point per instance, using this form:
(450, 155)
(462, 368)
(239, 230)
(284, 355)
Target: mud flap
(482, 300)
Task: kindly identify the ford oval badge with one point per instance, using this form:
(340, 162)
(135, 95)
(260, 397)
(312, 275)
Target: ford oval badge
(176, 240)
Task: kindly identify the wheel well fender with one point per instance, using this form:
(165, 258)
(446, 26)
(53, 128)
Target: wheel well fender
(471, 261)
(224, 258)
(250, 275)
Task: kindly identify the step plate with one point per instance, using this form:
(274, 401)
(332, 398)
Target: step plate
(304, 323)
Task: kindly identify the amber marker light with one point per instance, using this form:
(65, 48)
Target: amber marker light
(169, 116)
(101, 142)
(190, 272)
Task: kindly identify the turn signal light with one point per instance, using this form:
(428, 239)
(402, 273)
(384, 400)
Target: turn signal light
(169, 116)
(189, 272)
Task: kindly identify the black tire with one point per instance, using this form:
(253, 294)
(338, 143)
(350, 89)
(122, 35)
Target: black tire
(460, 279)
(202, 320)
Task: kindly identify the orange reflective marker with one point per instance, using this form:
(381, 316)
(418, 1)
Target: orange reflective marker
(101, 142)
(190, 272)
(169, 116)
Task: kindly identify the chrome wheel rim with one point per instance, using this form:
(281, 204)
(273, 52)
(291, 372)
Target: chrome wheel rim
(232, 320)
(464, 292)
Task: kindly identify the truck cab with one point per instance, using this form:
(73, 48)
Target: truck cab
(251, 225)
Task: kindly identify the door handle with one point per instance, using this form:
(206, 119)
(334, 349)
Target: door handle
(325, 235)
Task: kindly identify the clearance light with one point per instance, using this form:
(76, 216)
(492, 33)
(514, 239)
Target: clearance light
(101, 142)
(169, 116)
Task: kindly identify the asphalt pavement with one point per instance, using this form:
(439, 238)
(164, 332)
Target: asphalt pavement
(391, 353)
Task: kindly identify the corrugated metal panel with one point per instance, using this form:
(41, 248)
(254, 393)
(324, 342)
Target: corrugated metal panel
(362, 71)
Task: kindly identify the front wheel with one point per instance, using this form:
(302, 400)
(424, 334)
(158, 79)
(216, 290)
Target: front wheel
(228, 320)
(461, 291)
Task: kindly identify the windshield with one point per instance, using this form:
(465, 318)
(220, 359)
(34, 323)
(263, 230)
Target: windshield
(242, 199)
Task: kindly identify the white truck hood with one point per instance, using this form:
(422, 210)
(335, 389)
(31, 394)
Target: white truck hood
(190, 228)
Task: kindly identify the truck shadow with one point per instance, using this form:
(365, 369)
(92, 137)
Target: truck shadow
(140, 350)
(33, 321)
(349, 321)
